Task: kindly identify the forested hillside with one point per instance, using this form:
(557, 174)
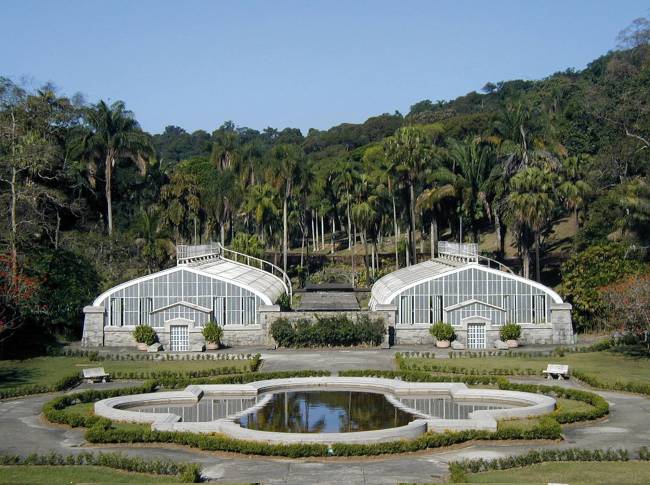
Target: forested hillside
(540, 173)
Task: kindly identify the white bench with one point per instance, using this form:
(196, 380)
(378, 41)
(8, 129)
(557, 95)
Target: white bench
(555, 371)
(95, 374)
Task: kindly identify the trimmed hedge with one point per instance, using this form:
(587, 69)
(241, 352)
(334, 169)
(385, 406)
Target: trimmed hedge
(459, 469)
(635, 387)
(186, 472)
(101, 432)
(600, 406)
(60, 385)
(328, 331)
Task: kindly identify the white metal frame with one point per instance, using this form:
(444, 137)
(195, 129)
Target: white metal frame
(179, 338)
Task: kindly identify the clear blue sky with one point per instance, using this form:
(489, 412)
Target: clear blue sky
(302, 63)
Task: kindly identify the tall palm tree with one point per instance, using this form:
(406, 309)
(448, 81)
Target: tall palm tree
(344, 181)
(471, 161)
(286, 160)
(531, 204)
(110, 134)
(387, 172)
(409, 148)
(573, 189)
(153, 240)
(364, 215)
(261, 203)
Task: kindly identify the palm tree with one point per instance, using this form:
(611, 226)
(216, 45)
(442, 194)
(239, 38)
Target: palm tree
(388, 174)
(409, 150)
(153, 241)
(573, 189)
(111, 133)
(531, 204)
(364, 215)
(344, 181)
(261, 203)
(471, 161)
(286, 160)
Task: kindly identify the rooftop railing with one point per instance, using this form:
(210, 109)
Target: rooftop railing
(468, 253)
(186, 254)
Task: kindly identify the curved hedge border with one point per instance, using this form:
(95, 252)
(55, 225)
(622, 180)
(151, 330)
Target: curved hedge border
(459, 469)
(186, 472)
(60, 385)
(101, 430)
(635, 387)
(600, 406)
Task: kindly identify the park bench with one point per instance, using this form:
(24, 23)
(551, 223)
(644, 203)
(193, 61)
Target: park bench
(556, 371)
(96, 374)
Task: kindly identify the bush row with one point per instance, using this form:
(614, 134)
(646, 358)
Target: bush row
(459, 469)
(96, 356)
(329, 331)
(186, 472)
(60, 385)
(547, 428)
(599, 405)
(636, 387)
(406, 364)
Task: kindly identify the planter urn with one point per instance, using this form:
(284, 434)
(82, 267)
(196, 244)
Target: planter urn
(142, 346)
(512, 344)
(211, 346)
(442, 344)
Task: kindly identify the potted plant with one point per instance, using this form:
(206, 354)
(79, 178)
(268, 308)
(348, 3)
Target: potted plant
(145, 336)
(509, 333)
(443, 333)
(212, 334)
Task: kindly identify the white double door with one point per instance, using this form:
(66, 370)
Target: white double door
(476, 336)
(179, 338)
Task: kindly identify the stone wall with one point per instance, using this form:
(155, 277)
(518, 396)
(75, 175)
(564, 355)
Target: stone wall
(559, 331)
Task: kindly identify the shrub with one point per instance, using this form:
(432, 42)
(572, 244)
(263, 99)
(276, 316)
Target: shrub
(62, 384)
(212, 332)
(442, 331)
(144, 334)
(510, 331)
(328, 331)
(458, 469)
(284, 302)
(186, 472)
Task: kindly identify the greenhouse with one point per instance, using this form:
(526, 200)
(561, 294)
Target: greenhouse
(475, 295)
(209, 283)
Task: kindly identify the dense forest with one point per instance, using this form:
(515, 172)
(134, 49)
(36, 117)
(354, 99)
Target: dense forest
(548, 176)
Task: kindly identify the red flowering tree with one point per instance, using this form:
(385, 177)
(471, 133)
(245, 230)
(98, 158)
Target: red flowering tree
(18, 298)
(628, 304)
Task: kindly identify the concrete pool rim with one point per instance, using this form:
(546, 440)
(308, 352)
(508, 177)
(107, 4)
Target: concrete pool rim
(528, 405)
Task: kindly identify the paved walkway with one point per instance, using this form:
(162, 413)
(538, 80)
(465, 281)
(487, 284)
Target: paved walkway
(24, 431)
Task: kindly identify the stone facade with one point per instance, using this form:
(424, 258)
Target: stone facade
(559, 331)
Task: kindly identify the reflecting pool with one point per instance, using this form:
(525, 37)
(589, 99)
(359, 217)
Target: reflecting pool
(325, 412)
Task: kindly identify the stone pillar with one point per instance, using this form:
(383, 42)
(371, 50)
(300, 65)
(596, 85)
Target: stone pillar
(93, 332)
(561, 322)
(389, 314)
(267, 315)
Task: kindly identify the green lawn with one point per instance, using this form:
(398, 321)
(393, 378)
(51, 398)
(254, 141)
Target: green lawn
(607, 367)
(66, 475)
(575, 473)
(46, 371)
